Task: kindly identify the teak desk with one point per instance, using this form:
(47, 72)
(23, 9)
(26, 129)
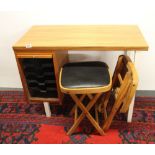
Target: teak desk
(42, 51)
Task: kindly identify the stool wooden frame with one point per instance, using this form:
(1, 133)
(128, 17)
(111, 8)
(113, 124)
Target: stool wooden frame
(93, 94)
(124, 89)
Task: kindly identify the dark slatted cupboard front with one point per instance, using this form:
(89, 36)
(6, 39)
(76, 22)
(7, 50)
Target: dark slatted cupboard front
(40, 77)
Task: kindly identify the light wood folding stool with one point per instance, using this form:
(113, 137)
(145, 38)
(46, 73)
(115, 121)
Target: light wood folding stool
(81, 79)
(124, 84)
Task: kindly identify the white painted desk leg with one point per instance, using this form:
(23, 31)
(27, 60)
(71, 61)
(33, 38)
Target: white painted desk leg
(130, 112)
(47, 109)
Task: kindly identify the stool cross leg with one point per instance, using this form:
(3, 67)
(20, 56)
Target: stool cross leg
(81, 99)
(85, 112)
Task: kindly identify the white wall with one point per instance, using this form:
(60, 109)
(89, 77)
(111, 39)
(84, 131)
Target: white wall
(13, 24)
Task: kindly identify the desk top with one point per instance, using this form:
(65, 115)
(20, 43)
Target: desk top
(83, 37)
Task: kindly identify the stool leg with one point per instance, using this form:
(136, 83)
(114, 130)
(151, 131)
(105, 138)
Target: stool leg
(109, 120)
(88, 115)
(96, 113)
(79, 119)
(47, 109)
(90, 96)
(103, 104)
(82, 97)
(85, 112)
(73, 109)
(114, 110)
(76, 113)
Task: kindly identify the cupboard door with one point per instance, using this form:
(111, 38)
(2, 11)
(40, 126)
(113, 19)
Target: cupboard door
(40, 77)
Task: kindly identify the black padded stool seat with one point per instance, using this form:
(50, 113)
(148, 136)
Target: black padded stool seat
(85, 75)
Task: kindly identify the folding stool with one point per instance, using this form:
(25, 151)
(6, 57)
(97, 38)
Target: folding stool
(81, 79)
(124, 84)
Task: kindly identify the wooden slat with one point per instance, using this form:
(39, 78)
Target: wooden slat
(120, 78)
(117, 92)
(132, 88)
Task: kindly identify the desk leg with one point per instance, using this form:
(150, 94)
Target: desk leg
(130, 112)
(47, 109)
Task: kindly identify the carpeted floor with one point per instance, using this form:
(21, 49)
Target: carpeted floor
(26, 123)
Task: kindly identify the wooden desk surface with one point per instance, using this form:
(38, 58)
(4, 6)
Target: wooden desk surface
(84, 37)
